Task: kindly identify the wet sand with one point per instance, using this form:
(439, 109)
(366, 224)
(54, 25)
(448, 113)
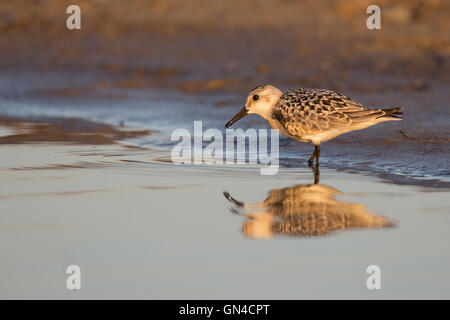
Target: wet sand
(75, 131)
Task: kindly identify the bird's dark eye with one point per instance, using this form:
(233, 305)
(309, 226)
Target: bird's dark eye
(255, 97)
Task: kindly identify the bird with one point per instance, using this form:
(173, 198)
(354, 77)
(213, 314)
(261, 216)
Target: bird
(312, 115)
(303, 210)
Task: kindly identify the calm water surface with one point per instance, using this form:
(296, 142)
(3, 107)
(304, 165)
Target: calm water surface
(154, 230)
(160, 231)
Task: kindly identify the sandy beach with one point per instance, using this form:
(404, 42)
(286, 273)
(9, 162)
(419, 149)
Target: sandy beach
(85, 141)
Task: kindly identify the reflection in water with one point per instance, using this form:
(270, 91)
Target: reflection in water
(303, 210)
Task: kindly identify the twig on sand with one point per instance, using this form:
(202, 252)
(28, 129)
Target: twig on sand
(407, 136)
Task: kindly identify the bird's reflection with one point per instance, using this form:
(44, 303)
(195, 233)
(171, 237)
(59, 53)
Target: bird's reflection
(303, 210)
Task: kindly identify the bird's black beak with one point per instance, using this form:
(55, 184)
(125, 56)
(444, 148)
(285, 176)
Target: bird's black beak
(238, 116)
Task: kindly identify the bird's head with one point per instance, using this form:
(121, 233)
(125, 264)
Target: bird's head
(260, 100)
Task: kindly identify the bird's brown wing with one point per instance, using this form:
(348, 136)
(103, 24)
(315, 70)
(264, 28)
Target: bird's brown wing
(307, 111)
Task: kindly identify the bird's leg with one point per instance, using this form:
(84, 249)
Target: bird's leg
(315, 154)
(317, 151)
(316, 172)
(310, 161)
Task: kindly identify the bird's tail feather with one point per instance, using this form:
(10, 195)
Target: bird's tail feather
(371, 114)
(392, 113)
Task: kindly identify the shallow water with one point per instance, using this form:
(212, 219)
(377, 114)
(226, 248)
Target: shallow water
(412, 151)
(140, 227)
(145, 229)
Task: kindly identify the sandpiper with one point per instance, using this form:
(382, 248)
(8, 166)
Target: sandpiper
(303, 210)
(312, 115)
